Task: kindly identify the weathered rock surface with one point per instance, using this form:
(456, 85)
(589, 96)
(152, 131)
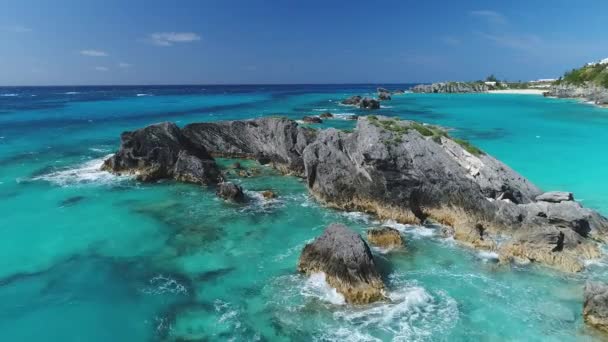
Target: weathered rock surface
(312, 119)
(161, 151)
(451, 87)
(369, 103)
(595, 307)
(595, 94)
(326, 115)
(352, 101)
(397, 173)
(383, 94)
(278, 141)
(555, 197)
(385, 237)
(347, 262)
(230, 191)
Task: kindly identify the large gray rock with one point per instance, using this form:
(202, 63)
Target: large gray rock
(161, 151)
(391, 169)
(230, 191)
(383, 94)
(451, 87)
(555, 197)
(352, 101)
(278, 141)
(595, 307)
(347, 262)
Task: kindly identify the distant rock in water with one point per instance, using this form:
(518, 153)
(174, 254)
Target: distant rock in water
(398, 92)
(230, 191)
(347, 262)
(326, 115)
(312, 119)
(595, 94)
(369, 103)
(595, 307)
(161, 151)
(383, 94)
(352, 101)
(385, 237)
(451, 87)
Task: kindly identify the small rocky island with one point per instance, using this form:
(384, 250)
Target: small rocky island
(395, 169)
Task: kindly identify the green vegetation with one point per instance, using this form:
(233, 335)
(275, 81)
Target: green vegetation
(491, 78)
(596, 74)
(468, 147)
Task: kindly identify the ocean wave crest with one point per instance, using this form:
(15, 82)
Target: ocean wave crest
(87, 173)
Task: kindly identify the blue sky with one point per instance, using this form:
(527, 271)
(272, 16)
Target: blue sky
(285, 41)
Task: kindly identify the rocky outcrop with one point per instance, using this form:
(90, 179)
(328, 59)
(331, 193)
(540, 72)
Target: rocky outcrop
(592, 93)
(161, 151)
(383, 94)
(385, 237)
(326, 115)
(347, 263)
(595, 307)
(555, 197)
(230, 191)
(451, 87)
(398, 92)
(277, 141)
(312, 119)
(397, 170)
(369, 103)
(352, 101)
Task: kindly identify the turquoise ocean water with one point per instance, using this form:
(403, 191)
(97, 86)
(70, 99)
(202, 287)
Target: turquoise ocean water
(87, 256)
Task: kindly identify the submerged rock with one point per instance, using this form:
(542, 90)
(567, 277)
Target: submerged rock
(230, 191)
(268, 194)
(595, 307)
(312, 119)
(161, 151)
(347, 263)
(398, 92)
(555, 197)
(383, 94)
(385, 237)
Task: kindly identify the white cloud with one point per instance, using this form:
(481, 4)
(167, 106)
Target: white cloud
(520, 42)
(491, 17)
(93, 53)
(169, 38)
(124, 65)
(101, 68)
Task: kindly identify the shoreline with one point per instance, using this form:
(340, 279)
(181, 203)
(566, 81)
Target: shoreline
(519, 91)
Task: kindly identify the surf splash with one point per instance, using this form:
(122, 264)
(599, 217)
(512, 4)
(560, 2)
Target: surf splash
(87, 173)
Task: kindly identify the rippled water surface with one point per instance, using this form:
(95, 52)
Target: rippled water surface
(87, 256)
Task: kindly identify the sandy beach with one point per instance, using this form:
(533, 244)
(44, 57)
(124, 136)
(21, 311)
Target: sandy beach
(519, 91)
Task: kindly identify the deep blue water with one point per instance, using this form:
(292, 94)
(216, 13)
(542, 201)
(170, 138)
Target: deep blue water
(89, 256)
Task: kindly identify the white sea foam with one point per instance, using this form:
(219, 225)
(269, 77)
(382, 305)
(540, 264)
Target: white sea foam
(320, 109)
(142, 94)
(316, 286)
(344, 116)
(357, 216)
(161, 284)
(86, 173)
(9, 95)
(487, 255)
(95, 149)
(416, 231)
(72, 93)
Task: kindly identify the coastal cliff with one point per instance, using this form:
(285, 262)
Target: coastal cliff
(589, 82)
(451, 87)
(411, 173)
(596, 94)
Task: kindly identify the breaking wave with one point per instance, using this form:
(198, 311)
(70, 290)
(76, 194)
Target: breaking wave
(87, 173)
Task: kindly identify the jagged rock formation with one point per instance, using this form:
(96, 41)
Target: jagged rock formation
(395, 169)
(451, 87)
(312, 119)
(352, 101)
(230, 191)
(347, 263)
(161, 151)
(369, 103)
(383, 94)
(278, 141)
(593, 93)
(326, 115)
(385, 237)
(389, 168)
(595, 308)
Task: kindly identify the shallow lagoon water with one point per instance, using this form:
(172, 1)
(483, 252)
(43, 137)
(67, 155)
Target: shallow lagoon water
(89, 256)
